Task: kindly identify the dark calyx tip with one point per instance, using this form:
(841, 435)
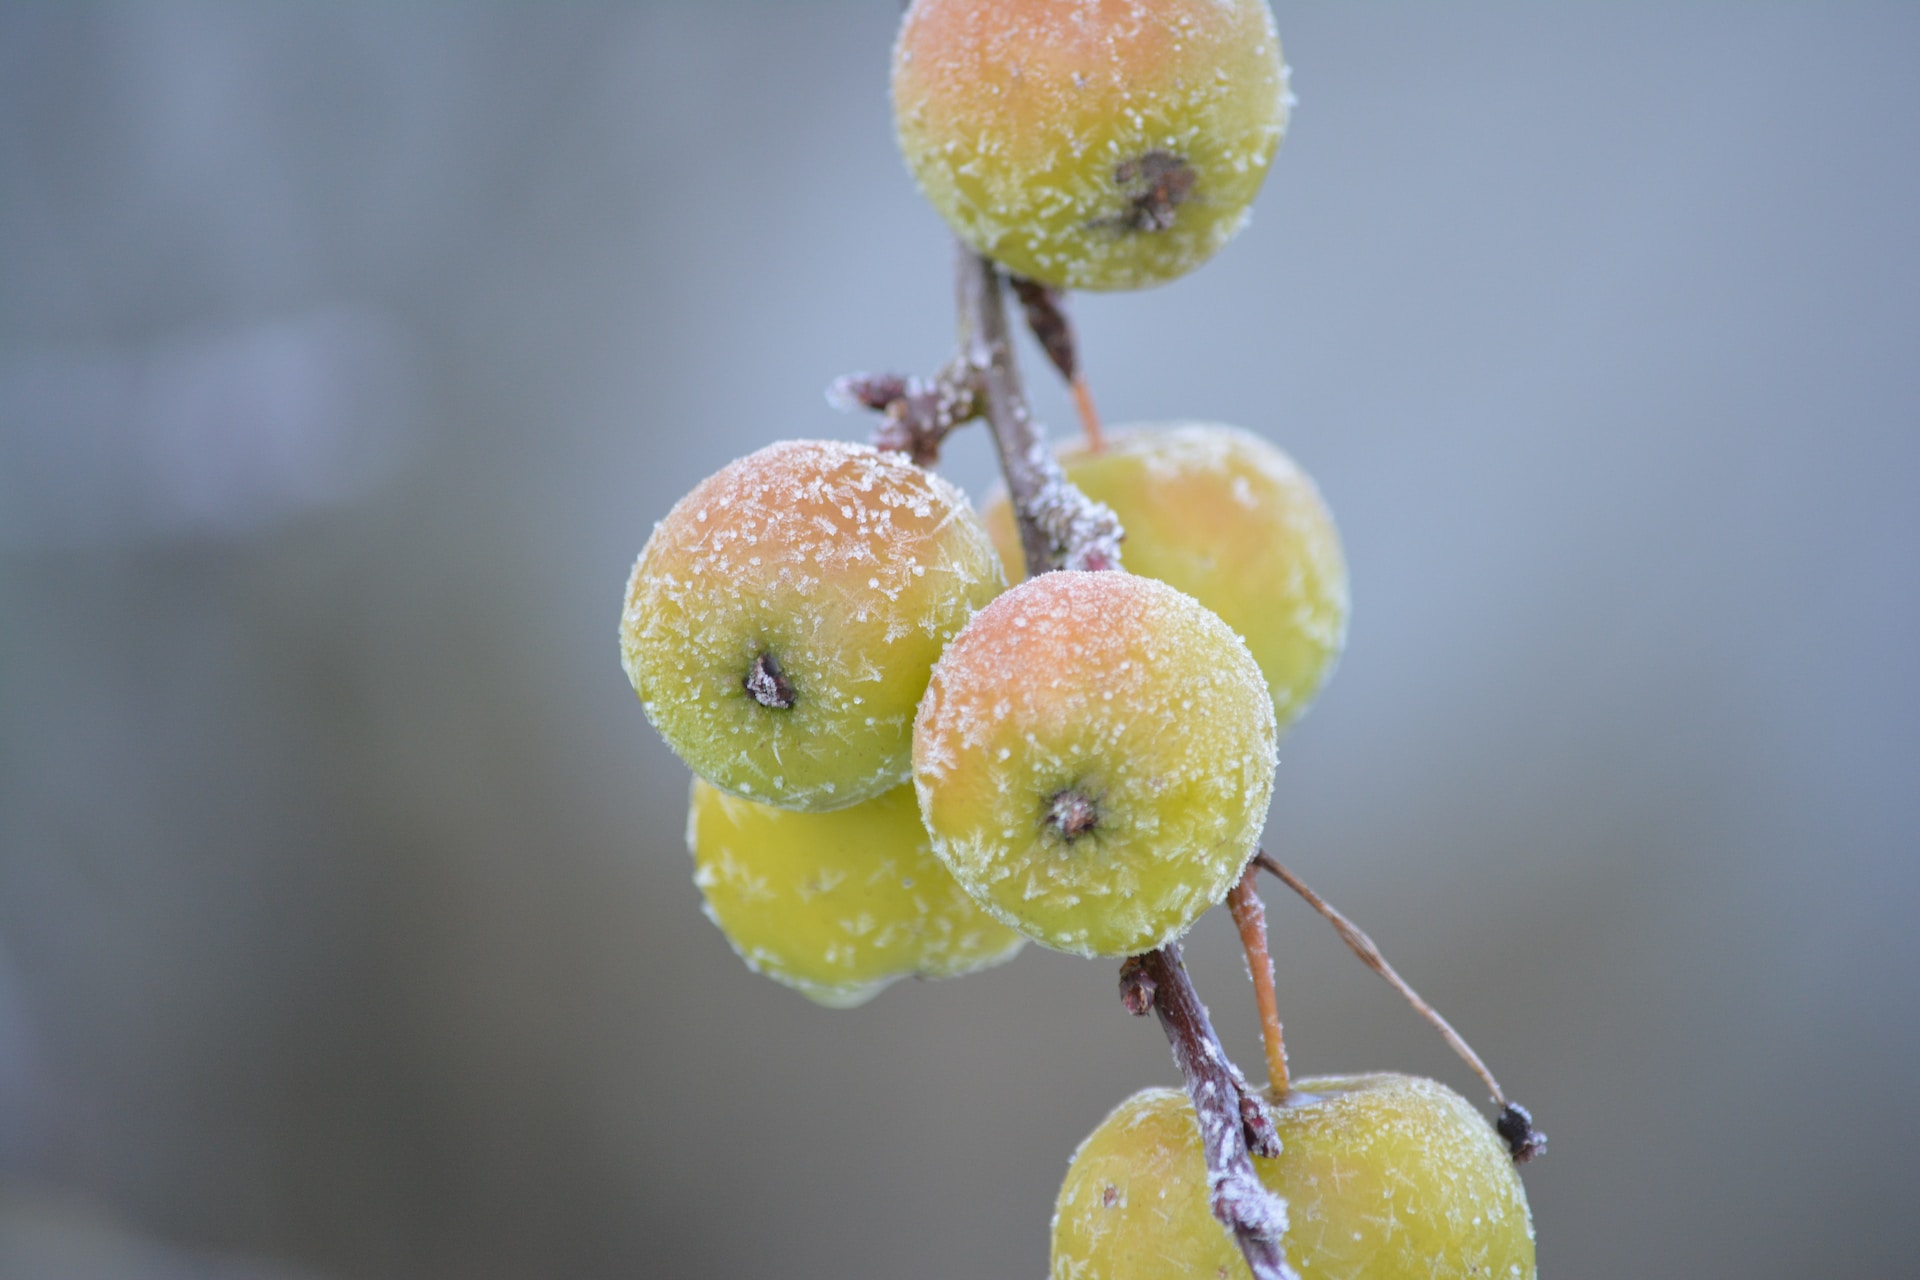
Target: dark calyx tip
(1073, 814)
(1515, 1127)
(1157, 183)
(768, 687)
(1137, 987)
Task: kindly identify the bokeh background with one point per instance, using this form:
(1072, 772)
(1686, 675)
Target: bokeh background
(347, 355)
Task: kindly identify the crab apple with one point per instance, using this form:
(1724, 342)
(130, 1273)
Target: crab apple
(1090, 144)
(1094, 758)
(1231, 520)
(1386, 1177)
(782, 621)
(836, 905)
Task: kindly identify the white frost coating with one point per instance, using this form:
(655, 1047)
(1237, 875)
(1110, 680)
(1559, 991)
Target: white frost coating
(1227, 517)
(1081, 533)
(1133, 696)
(1034, 129)
(848, 569)
(836, 905)
(1383, 1175)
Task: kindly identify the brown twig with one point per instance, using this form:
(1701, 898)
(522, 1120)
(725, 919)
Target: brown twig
(1046, 312)
(1060, 528)
(1250, 917)
(919, 415)
(1515, 1124)
(1232, 1121)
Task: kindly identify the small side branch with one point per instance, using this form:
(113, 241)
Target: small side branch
(1515, 1124)
(1233, 1122)
(918, 415)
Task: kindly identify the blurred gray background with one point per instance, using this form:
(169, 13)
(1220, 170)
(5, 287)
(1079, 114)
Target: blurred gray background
(347, 355)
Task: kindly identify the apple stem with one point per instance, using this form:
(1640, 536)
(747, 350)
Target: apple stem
(1250, 917)
(1046, 312)
(1089, 416)
(1233, 1123)
(1515, 1125)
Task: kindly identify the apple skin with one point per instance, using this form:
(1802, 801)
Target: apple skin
(1386, 1177)
(1122, 697)
(1231, 520)
(836, 905)
(1091, 144)
(849, 569)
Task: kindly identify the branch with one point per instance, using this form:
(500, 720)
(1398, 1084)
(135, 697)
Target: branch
(1061, 528)
(919, 415)
(1232, 1121)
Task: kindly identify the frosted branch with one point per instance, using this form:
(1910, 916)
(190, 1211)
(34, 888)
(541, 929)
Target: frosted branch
(918, 415)
(1233, 1123)
(1060, 527)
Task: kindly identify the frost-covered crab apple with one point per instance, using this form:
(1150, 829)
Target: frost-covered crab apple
(782, 621)
(1090, 144)
(1229, 519)
(837, 905)
(1386, 1177)
(1094, 758)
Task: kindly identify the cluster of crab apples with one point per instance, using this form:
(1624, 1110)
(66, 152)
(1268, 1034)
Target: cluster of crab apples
(906, 766)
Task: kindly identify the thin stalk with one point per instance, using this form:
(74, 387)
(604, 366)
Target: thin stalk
(1515, 1124)
(1089, 416)
(1250, 917)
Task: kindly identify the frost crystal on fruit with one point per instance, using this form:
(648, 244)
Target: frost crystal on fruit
(1386, 1177)
(836, 905)
(1094, 758)
(1091, 144)
(1229, 519)
(783, 619)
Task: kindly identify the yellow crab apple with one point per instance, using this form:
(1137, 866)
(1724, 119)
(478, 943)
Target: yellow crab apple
(836, 905)
(782, 621)
(1386, 1177)
(1230, 519)
(1090, 144)
(1094, 757)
